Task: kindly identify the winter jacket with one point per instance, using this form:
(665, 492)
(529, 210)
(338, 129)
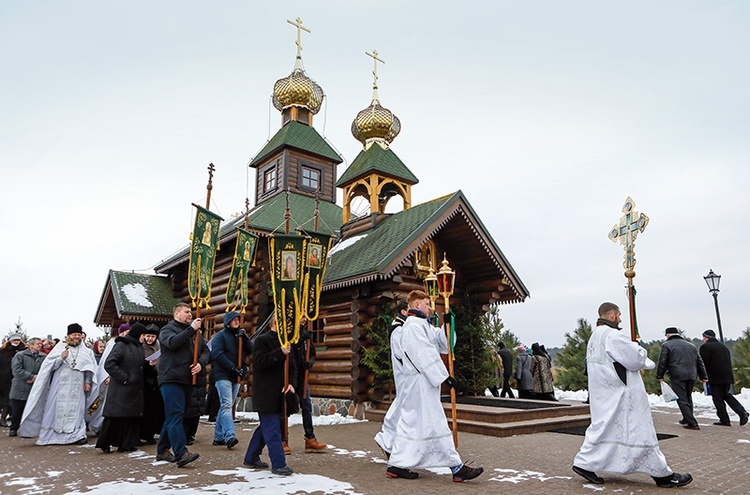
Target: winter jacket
(224, 349)
(25, 365)
(176, 343)
(680, 360)
(542, 375)
(523, 372)
(268, 373)
(507, 356)
(7, 352)
(718, 362)
(299, 355)
(125, 367)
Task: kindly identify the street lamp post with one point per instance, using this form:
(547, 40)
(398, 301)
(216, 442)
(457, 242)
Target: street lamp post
(712, 280)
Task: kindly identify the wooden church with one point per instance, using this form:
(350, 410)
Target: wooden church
(376, 257)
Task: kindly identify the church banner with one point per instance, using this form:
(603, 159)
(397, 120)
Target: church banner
(203, 246)
(316, 253)
(243, 257)
(287, 265)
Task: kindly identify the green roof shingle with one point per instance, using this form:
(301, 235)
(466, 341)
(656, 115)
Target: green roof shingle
(300, 136)
(142, 294)
(377, 159)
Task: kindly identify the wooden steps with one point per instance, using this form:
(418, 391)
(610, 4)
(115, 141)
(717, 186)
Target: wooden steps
(502, 421)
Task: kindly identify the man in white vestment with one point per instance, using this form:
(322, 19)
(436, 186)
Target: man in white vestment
(56, 405)
(422, 438)
(621, 438)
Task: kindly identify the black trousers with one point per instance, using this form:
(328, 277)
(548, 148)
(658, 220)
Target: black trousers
(16, 411)
(506, 388)
(722, 397)
(684, 391)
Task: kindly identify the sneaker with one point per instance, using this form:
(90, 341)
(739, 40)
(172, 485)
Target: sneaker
(219, 442)
(187, 458)
(397, 472)
(467, 473)
(674, 480)
(232, 442)
(283, 471)
(287, 450)
(744, 418)
(719, 423)
(167, 455)
(312, 445)
(256, 465)
(589, 475)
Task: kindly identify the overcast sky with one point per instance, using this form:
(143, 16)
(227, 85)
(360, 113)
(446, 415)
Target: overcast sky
(546, 114)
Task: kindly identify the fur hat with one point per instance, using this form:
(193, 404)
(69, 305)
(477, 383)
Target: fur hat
(671, 331)
(151, 329)
(710, 334)
(137, 330)
(75, 328)
(15, 336)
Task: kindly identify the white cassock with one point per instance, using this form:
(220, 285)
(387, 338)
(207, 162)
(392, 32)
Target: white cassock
(55, 409)
(621, 438)
(385, 436)
(421, 437)
(98, 394)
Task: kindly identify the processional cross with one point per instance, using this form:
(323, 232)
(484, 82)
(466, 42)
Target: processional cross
(298, 24)
(631, 224)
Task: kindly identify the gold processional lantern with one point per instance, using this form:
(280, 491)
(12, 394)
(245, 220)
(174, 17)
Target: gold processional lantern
(431, 287)
(446, 280)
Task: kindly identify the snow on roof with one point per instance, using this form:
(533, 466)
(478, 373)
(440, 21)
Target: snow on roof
(137, 294)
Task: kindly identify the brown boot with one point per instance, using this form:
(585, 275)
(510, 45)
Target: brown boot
(287, 450)
(312, 445)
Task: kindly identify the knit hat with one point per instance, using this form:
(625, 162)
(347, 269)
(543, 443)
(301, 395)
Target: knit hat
(710, 334)
(123, 328)
(137, 330)
(521, 349)
(75, 328)
(15, 336)
(671, 330)
(229, 317)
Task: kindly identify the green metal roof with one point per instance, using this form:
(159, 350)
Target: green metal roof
(300, 136)
(377, 159)
(141, 294)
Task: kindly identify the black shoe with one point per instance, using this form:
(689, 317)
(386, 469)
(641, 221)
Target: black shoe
(126, 449)
(397, 472)
(682, 422)
(589, 475)
(467, 473)
(283, 471)
(219, 442)
(165, 456)
(691, 427)
(256, 465)
(186, 458)
(674, 480)
(12, 433)
(743, 419)
(232, 442)
(106, 449)
(719, 423)
(190, 440)
(82, 441)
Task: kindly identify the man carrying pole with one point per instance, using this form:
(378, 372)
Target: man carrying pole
(423, 439)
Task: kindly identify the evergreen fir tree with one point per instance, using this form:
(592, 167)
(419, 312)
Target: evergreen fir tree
(741, 361)
(570, 359)
(377, 354)
(653, 349)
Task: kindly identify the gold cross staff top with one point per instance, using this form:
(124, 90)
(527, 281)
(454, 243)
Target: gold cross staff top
(375, 61)
(627, 230)
(298, 24)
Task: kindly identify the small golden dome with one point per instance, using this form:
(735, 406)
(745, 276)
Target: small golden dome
(376, 122)
(297, 90)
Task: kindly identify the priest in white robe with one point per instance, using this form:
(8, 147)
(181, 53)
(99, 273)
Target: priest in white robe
(422, 438)
(56, 405)
(621, 438)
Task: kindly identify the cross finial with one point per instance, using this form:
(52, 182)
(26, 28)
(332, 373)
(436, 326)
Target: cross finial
(375, 61)
(627, 230)
(298, 24)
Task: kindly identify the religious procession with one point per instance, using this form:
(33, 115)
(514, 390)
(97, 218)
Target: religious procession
(301, 308)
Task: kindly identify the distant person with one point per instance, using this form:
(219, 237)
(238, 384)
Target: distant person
(680, 360)
(153, 404)
(524, 380)
(25, 365)
(621, 438)
(507, 358)
(13, 345)
(98, 349)
(718, 363)
(541, 372)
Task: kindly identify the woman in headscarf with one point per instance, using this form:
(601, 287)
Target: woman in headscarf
(541, 372)
(523, 375)
(153, 404)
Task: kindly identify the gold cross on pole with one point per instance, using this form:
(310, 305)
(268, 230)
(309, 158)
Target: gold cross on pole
(626, 231)
(298, 24)
(375, 61)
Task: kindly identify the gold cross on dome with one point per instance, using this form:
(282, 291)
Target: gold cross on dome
(375, 61)
(627, 230)
(298, 24)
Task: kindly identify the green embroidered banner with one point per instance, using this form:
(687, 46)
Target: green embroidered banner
(203, 247)
(287, 264)
(316, 254)
(244, 252)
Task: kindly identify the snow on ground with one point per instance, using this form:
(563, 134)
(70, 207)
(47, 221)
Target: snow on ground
(513, 476)
(296, 419)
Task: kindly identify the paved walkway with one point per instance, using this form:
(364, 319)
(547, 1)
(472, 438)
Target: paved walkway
(718, 458)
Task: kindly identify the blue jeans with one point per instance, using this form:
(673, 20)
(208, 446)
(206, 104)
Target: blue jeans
(172, 434)
(267, 434)
(224, 429)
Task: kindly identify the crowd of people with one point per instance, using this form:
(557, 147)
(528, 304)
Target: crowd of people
(144, 386)
(533, 373)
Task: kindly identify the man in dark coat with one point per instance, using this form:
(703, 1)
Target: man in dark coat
(176, 370)
(269, 360)
(124, 405)
(718, 364)
(228, 368)
(7, 352)
(25, 366)
(507, 357)
(680, 360)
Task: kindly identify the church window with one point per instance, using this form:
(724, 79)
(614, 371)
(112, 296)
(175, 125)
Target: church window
(309, 178)
(269, 179)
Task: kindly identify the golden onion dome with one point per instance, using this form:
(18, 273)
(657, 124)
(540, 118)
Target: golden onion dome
(297, 90)
(376, 122)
